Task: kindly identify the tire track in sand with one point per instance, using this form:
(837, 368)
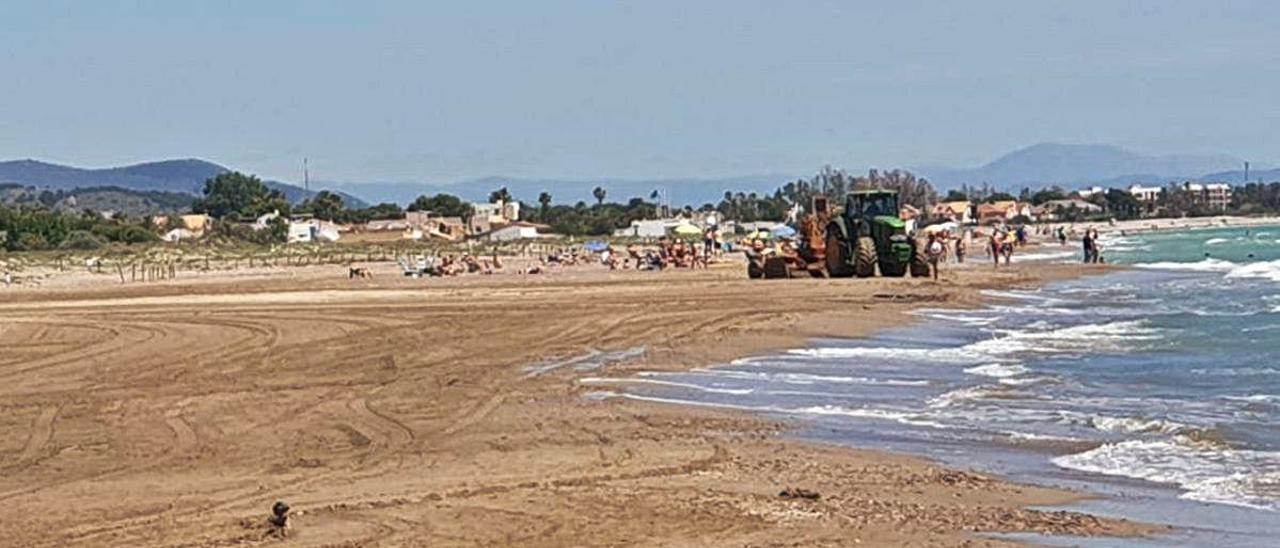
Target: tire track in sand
(38, 439)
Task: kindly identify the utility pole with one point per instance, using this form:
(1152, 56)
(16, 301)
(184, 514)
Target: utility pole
(1246, 172)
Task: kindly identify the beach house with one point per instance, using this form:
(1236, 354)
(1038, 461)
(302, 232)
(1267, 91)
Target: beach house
(959, 211)
(1003, 211)
(1215, 196)
(486, 217)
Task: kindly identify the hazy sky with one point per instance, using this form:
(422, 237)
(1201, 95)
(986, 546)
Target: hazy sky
(434, 91)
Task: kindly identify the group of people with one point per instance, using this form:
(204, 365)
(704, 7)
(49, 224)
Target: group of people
(669, 253)
(449, 265)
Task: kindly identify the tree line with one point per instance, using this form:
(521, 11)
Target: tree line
(236, 200)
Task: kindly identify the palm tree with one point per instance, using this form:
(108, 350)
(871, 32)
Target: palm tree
(544, 201)
(500, 195)
(599, 193)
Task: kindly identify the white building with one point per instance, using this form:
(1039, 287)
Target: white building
(1087, 192)
(486, 215)
(312, 230)
(516, 231)
(1215, 195)
(1146, 194)
(647, 228)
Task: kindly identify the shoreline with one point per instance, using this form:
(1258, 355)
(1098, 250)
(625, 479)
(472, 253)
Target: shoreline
(493, 436)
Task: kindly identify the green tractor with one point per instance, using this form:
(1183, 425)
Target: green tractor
(869, 233)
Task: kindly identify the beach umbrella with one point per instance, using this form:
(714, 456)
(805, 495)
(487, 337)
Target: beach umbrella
(931, 229)
(687, 230)
(595, 246)
(783, 231)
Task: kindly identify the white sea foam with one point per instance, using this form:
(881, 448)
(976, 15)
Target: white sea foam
(1255, 398)
(1135, 425)
(1267, 270)
(956, 316)
(1206, 473)
(792, 378)
(1086, 338)
(870, 413)
(998, 370)
(1025, 381)
(937, 355)
(1206, 265)
(638, 380)
(903, 417)
(1216, 241)
(1044, 256)
(1029, 436)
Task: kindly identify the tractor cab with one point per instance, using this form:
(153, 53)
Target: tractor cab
(870, 204)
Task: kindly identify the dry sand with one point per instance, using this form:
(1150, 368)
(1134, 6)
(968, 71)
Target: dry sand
(399, 412)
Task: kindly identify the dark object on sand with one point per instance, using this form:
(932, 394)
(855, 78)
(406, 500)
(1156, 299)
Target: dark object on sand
(280, 514)
(796, 493)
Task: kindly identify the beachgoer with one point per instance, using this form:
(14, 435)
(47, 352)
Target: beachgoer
(8, 279)
(1062, 236)
(1097, 246)
(1087, 243)
(934, 250)
(755, 258)
(961, 249)
(997, 242)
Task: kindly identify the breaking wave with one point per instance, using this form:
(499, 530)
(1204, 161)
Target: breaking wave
(1265, 270)
(997, 370)
(1206, 473)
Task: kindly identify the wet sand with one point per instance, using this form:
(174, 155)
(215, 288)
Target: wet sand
(439, 412)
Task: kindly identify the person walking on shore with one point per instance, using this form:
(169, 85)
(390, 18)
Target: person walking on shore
(997, 244)
(934, 250)
(961, 248)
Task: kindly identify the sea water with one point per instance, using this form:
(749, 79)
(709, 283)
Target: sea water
(1157, 386)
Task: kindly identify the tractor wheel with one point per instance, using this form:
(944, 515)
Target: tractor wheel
(919, 259)
(864, 261)
(893, 269)
(837, 255)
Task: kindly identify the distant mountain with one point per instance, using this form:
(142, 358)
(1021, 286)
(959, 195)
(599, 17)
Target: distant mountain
(693, 192)
(133, 203)
(1236, 177)
(1071, 165)
(184, 176)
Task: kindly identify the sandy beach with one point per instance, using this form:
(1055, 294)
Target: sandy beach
(395, 411)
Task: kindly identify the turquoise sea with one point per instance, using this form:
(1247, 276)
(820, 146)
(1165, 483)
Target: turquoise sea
(1157, 386)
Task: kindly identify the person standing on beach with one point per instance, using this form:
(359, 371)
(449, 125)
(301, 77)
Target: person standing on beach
(997, 243)
(961, 248)
(934, 250)
(1097, 247)
(1062, 236)
(1088, 243)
